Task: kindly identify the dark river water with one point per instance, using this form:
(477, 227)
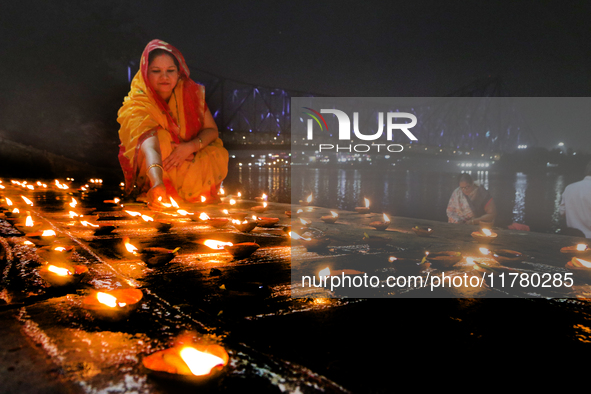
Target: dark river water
(531, 199)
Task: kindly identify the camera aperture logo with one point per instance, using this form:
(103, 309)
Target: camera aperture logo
(345, 130)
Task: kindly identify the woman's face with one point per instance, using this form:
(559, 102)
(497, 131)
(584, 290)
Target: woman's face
(163, 75)
(466, 187)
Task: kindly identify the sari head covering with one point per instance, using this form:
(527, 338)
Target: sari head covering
(144, 114)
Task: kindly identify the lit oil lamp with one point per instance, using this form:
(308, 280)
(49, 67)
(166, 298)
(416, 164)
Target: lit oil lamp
(444, 260)
(364, 209)
(484, 236)
(114, 305)
(311, 244)
(194, 363)
(261, 199)
(81, 210)
(580, 268)
(245, 226)
(28, 226)
(62, 275)
(305, 223)
(27, 201)
(239, 251)
(422, 231)
(267, 222)
(509, 258)
(42, 237)
(14, 214)
(8, 204)
(56, 253)
(99, 229)
(580, 249)
(332, 218)
(327, 272)
(129, 247)
(307, 201)
(259, 208)
(408, 266)
(381, 225)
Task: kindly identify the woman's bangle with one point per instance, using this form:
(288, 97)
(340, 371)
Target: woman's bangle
(155, 165)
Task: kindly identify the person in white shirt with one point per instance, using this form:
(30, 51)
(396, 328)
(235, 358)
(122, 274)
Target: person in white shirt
(576, 204)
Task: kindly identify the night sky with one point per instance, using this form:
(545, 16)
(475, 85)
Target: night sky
(64, 63)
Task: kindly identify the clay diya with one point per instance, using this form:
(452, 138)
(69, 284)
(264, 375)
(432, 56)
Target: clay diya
(190, 363)
(114, 305)
(245, 226)
(267, 222)
(261, 199)
(444, 260)
(364, 209)
(98, 228)
(238, 215)
(62, 275)
(242, 250)
(56, 252)
(218, 222)
(155, 256)
(381, 225)
(27, 226)
(484, 236)
(576, 250)
(311, 244)
(580, 268)
(15, 213)
(507, 257)
(422, 231)
(42, 238)
(259, 208)
(332, 218)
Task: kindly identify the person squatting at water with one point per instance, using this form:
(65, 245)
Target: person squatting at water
(576, 204)
(470, 203)
(169, 140)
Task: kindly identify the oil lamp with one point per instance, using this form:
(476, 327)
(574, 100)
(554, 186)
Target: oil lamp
(577, 250)
(405, 266)
(238, 251)
(332, 218)
(580, 268)
(307, 201)
(42, 237)
(364, 209)
(444, 260)
(381, 225)
(218, 222)
(246, 226)
(193, 363)
(27, 201)
(155, 256)
(311, 244)
(509, 258)
(261, 199)
(422, 231)
(62, 275)
(484, 236)
(238, 215)
(14, 214)
(112, 305)
(259, 208)
(267, 222)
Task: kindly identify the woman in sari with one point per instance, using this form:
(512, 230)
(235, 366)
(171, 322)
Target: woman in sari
(169, 140)
(470, 203)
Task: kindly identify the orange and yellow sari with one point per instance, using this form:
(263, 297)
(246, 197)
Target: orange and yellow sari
(144, 114)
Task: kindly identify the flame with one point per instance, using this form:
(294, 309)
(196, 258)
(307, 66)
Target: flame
(200, 363)
(73, 214)
(130, 248)
(305, 222)
(484, 250)
(29, 221)
(28, 243)
(203, 216)
(239, 194)
(59, 271)
(392, 259)
(15, 210)
(300, 210)
(183, 212)
(174, 204)
(165, 204)
(487, 232)
(264, 197)
(586, 264)
(297, 236)
(203, 198)
(264, 205)
(85, 224)
(48, 233)
(324, 272)
(254, 217)
(116, 200)
(2, 187)
(366, 203)
(73, 203)
(218, 245)
(470, 260)
(147, 218)
(309, 199)
(225, 211)
(60, 249)
(108, 300)
(581, 247)
(386, 218)
(222, 192)
(132, 213)
(232, 201)
(334, 214)
(31, 187)
(234, 221)
(27, 201)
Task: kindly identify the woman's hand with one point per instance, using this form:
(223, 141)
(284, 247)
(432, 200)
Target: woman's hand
(179, 154)
(156, 196)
